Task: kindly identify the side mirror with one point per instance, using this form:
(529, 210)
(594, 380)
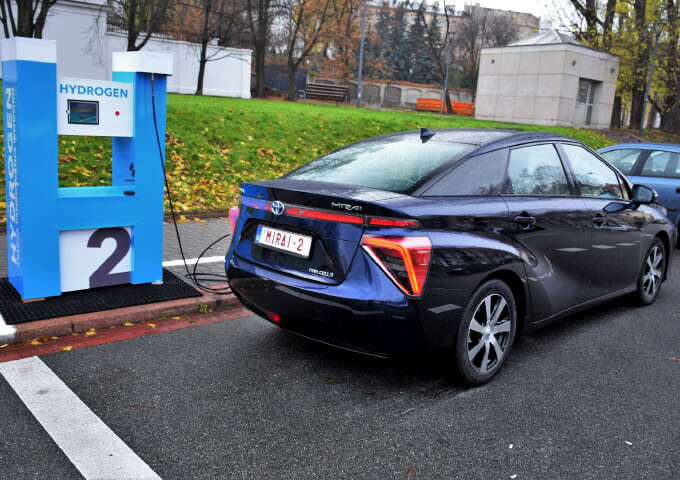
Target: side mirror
(643, 194)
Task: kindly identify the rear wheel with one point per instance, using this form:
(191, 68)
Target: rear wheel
(652, 273)
(486, 333)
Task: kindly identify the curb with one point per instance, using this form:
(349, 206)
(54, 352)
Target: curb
(61, 326)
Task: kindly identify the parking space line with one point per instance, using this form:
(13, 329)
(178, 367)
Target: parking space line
(88, 443)
(192, 261)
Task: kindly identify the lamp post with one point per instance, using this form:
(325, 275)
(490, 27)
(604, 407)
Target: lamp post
(658, 28)
(361, 55)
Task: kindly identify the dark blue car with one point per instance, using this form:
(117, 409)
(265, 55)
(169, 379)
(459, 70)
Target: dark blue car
(449, 241)
(656, 165)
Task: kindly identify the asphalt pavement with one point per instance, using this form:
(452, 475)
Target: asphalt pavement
(591, 397)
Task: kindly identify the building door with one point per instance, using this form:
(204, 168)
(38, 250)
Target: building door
(584, 102)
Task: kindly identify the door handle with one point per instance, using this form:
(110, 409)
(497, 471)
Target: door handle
(525, 221)
(599, 220)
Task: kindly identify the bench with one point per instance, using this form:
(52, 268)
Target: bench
(435, 105)
(325, 92)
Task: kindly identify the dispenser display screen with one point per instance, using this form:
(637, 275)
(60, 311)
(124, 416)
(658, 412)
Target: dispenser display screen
(82, 112)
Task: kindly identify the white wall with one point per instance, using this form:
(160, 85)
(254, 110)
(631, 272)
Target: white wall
(228, 75)
(85, 49)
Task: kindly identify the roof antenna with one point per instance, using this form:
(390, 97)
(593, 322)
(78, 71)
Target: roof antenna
(426, 134)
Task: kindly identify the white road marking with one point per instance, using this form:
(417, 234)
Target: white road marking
(7, 332)
(88, 443)
(192, 261)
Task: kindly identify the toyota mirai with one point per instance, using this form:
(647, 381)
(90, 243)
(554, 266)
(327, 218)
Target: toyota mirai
(449, 241)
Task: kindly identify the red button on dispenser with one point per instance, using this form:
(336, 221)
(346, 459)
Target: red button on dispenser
(117, 113)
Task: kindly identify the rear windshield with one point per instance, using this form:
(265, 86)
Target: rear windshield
(395, 164)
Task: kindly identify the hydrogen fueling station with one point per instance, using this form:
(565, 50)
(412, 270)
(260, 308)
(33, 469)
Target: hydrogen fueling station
(65, 239)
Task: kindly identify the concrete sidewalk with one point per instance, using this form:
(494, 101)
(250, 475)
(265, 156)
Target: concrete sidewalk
(195, 235)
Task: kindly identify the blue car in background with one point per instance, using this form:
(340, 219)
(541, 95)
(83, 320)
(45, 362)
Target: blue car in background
(656, 165)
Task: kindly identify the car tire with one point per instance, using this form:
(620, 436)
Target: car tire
(486, 332)
(652, 273)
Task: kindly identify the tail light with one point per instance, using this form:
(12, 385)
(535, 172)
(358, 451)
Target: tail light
(233, 218)
(405, 260)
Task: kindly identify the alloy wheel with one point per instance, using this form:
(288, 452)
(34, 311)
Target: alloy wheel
(489, 333)
(651, 280)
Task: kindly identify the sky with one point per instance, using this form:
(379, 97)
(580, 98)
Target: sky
(546, 9)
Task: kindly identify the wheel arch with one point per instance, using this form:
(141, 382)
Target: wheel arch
(519, 291)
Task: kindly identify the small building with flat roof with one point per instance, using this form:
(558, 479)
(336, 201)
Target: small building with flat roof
(548, 79)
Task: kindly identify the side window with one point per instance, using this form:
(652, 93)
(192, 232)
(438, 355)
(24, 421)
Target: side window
(593, 177)
(623, 159)
(480, 175)
(661, 164)
(536, 170)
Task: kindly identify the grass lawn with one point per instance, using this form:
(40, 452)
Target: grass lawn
(213, 144)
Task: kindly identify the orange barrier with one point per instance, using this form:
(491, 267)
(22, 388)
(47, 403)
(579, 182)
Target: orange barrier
(463, 108)
(429, 104)
(435, 105)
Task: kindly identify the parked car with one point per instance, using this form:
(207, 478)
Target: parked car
(656, 165)
(449, 241)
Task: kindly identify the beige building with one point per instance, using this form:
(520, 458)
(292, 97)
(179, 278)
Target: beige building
(549, 79)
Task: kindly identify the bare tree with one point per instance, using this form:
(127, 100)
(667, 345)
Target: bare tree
(482, 28)
(140, 19)
(590, 11)
(259, 15)
(29, 20)
(306, 20)
(206, 21)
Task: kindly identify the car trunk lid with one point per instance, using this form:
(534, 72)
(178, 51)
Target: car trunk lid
(306, 228)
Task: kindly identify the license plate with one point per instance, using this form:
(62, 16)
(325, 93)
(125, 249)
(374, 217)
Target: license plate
(289, 242)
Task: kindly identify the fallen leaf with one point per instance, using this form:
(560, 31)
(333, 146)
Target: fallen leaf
(674, 359)
(55, 338)
(89, 334)
(176, 318)
(67, 349)
(152, 325)
(36, 342)
(129, 324)
(4, 345)
(411, 470)
(92, 330)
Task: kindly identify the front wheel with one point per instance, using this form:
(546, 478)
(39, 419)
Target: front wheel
(486, 333)
(652, 273)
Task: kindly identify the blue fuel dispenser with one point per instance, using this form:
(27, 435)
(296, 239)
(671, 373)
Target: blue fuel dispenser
(63, 239)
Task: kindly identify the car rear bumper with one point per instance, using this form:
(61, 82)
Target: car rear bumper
(366, 313)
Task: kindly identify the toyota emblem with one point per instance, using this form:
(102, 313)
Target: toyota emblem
(278, 207)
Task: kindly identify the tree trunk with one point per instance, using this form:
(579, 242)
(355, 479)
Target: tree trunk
(201, 67)
(25, 16)
(639, 79)
(132, 12)
(259, 69)
(636, 107)
(292, 73)
(670, 118)
(616, 113)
